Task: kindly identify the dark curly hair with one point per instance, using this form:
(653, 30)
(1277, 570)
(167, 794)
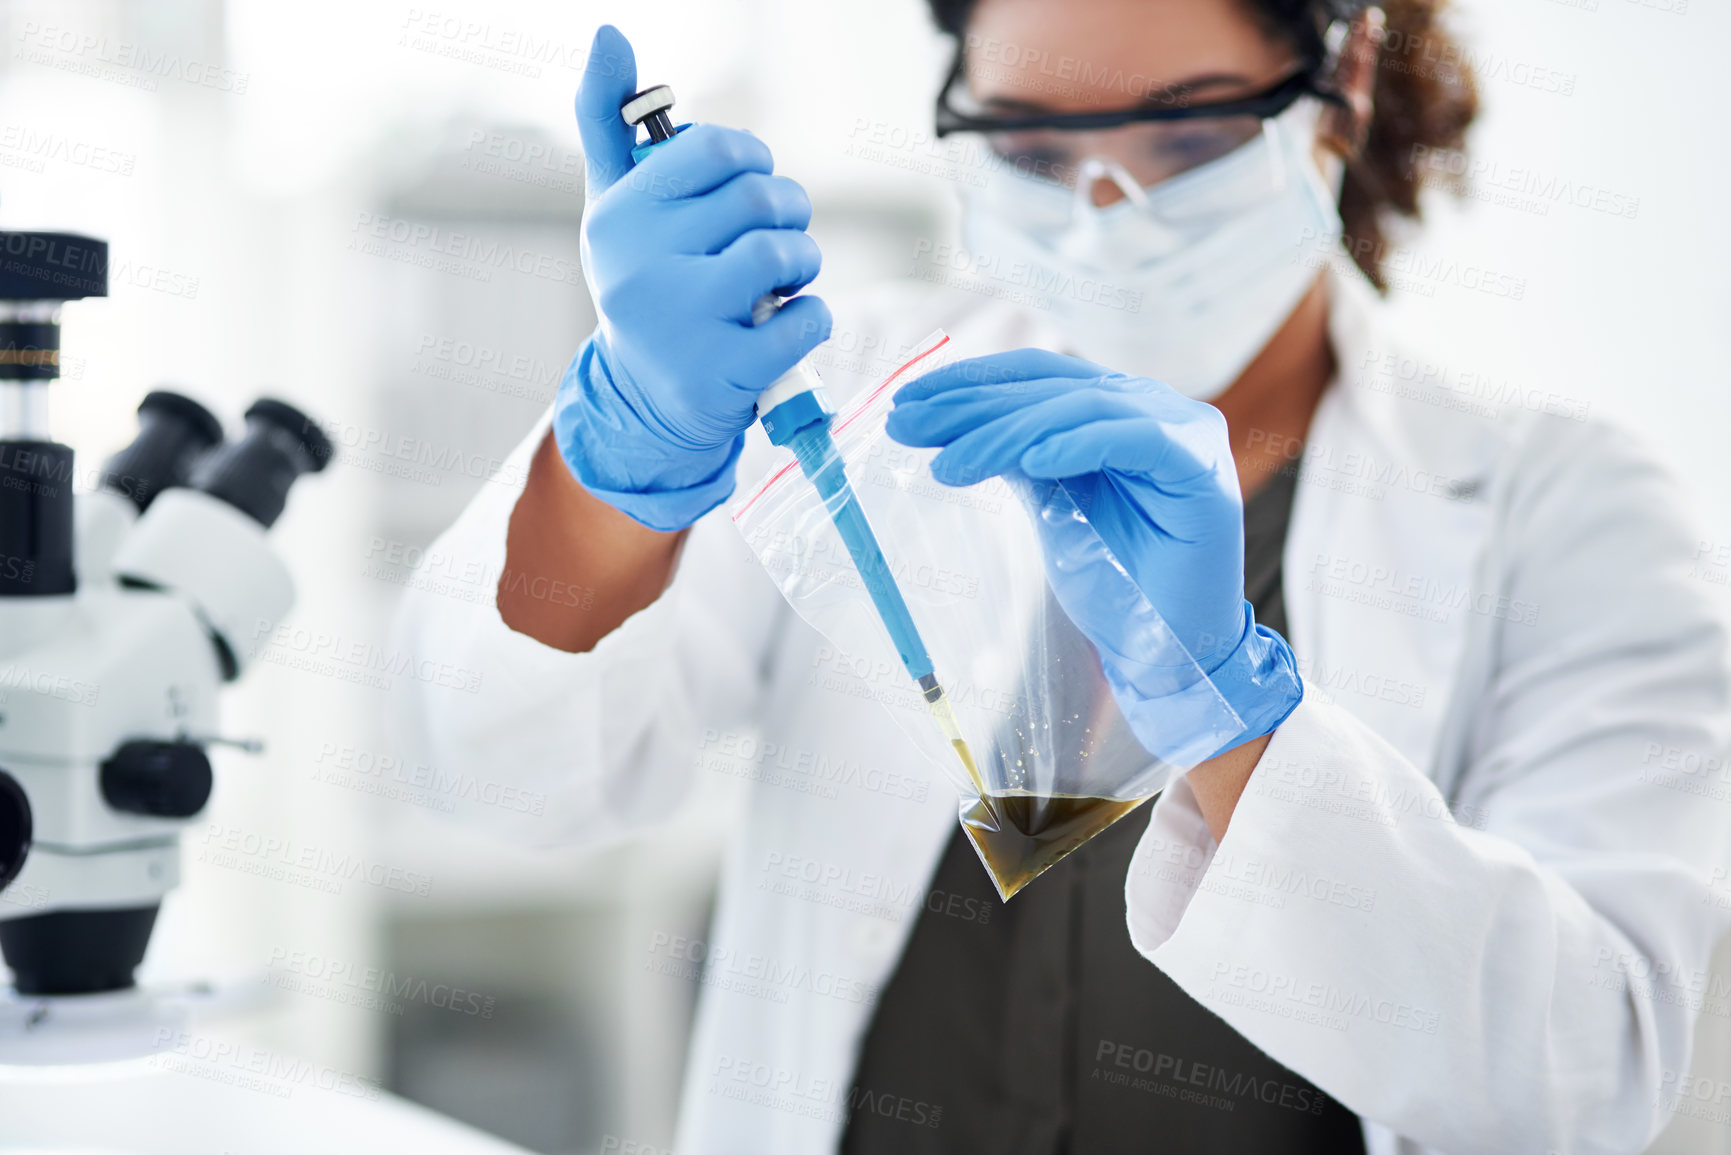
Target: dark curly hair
(1424, 99)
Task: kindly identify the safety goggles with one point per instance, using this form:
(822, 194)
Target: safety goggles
(1163, 137)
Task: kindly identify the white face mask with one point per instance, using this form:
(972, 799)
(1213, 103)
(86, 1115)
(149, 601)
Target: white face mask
(1184, 282)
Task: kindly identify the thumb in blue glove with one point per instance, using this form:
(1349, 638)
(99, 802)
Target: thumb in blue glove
(676, 249)
(1152, 472)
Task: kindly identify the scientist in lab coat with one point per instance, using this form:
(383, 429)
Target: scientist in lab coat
(1452, 889)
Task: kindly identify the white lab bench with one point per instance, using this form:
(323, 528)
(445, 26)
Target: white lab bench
(244, 1103)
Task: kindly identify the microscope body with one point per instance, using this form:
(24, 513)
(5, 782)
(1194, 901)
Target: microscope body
(82, 675)
(108, 696)
(123, 611)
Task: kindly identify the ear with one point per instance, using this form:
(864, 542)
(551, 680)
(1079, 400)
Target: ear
(1345, 129)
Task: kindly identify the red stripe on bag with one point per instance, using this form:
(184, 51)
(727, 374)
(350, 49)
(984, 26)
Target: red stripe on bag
(842, 424)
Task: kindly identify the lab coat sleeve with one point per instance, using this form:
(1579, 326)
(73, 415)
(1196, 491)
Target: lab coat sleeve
(1521, 974)
(577, 747)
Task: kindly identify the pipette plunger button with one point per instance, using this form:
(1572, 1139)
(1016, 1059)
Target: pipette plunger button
(649, 108)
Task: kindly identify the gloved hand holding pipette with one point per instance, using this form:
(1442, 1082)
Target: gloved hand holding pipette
(677, 249)
(689, 244)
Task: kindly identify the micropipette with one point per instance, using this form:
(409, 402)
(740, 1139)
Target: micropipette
(795, 412)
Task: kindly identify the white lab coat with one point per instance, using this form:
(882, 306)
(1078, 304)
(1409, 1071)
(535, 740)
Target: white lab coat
(1469, 891)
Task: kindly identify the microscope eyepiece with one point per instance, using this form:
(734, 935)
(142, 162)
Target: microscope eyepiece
(173, 433)
(254, 474)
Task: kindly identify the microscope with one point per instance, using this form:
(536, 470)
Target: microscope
(123, 611)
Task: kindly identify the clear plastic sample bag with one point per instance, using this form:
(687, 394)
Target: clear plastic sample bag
(1046, 760)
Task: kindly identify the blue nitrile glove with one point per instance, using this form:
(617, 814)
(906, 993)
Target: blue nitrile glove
(650, 415)
(1152, 471)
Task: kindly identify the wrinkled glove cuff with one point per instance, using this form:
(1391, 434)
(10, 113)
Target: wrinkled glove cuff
(616, 457)
(1186, 721)
(1259, 680)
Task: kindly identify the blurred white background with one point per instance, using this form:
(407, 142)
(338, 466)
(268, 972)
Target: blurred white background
(237, 155)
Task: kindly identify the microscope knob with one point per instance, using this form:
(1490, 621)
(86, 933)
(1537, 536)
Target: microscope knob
(162, 779)
(15, 828)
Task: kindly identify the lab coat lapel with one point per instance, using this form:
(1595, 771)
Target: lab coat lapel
(1388, 526)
